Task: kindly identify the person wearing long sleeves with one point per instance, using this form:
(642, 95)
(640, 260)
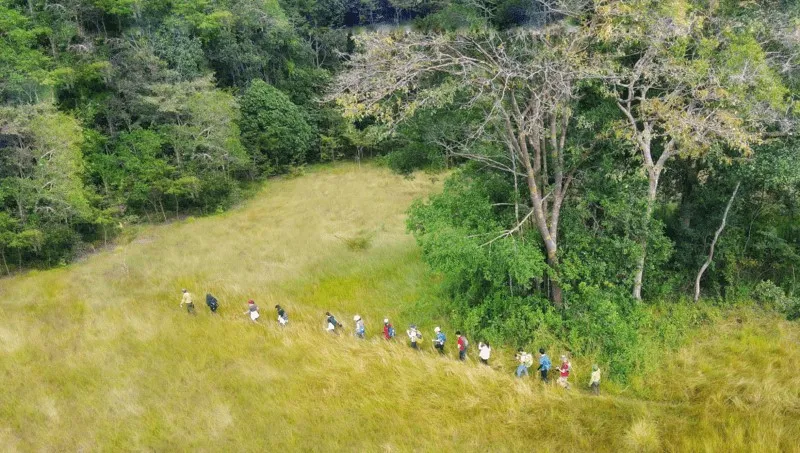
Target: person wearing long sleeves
(187, 300)
(544, 364)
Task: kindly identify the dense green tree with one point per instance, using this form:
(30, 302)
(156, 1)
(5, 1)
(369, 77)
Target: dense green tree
(25, 70)
(683, 85)
(274, 129)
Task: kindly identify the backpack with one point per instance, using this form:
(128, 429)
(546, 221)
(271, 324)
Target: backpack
(527, 360)
(391, 331)
(212, 303)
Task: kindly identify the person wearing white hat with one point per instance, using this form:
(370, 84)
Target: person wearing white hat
(439, 340)
(361, 330)
(388, 329)
(413, 335)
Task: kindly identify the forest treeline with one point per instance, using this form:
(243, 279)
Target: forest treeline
(608, 151)
(121, 111)
(613, 152)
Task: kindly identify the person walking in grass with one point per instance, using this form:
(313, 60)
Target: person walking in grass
(388, 329)
(252, 310)
(439, 340)
(484, 352)
(283, 318)
(594, 381)
(564, 369)
(212, 303)
(187, 300)
(361, 330)
(525, 362)
(544, 365)
(462, 343)
(414, 336)
(331, 323)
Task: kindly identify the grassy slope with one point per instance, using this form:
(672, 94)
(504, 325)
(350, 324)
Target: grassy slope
(98, 356)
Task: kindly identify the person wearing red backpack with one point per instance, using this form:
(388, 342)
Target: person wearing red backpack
(462, 346)
(388, 329)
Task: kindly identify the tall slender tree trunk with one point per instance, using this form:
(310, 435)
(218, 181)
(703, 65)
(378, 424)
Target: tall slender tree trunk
(556, 293)
(714, 243)
(652, 191)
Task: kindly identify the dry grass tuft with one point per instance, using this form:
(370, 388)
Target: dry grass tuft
(642, 436)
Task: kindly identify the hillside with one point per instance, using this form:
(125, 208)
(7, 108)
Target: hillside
(98, 355)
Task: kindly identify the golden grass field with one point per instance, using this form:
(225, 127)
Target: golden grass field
(97, 356)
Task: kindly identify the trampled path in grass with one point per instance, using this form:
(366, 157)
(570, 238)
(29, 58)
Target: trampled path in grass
(98, 356)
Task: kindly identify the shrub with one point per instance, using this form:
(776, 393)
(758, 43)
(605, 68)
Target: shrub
(767, 292)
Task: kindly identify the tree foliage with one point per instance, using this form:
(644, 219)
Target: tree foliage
(273, 128)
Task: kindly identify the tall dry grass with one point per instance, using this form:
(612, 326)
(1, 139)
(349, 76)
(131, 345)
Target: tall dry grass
(98, 356)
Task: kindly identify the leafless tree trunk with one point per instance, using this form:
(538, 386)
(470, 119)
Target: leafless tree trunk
(5, 263)
(713, 244)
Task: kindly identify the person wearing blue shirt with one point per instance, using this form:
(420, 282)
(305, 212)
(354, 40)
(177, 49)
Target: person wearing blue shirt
(544, 364)
(438, 342)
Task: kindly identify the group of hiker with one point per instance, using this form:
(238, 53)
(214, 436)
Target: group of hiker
(525, 359)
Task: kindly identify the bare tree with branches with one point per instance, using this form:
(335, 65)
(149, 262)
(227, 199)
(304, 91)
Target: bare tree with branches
(683, 88)
(525, 81)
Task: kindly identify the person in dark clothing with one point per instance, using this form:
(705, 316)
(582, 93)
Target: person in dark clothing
(212, 303)
(544, 364)
(283, 318)
(331, 323)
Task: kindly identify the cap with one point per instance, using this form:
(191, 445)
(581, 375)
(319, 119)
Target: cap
(386, 321)
(356, 318)
(251, 301)
(437, 330)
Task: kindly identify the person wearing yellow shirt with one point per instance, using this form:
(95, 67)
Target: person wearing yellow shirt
(187, 300)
